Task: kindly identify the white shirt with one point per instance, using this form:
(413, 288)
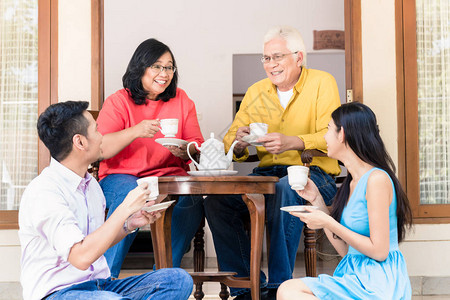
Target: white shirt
(285, 97)
(54, 215)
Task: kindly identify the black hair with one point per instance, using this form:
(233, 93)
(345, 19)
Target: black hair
(59, 123)
(363, 137)
(146, 54)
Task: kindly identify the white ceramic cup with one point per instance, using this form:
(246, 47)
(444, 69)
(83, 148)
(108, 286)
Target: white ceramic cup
(258, 129)
(298, 177)
(152, 182)
(169, 127)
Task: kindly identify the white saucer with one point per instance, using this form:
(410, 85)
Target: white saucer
(297, 187)
(251, 139)
(170, 142)
(213, 172)
(159, 206)
(297, 208)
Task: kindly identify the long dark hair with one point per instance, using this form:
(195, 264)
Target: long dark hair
(363, 137)
(146, 54)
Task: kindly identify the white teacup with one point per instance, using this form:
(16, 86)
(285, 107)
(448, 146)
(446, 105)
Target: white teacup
(298, 177)
(258, 129)
(152, 182)
(169, 127)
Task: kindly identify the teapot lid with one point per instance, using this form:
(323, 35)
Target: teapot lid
(212, 141)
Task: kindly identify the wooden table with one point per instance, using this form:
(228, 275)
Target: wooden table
(252, 189)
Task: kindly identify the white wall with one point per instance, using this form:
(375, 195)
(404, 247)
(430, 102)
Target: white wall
(9, 256)
(204, 35)
(379, 69)
(74, 50)
(425, 249)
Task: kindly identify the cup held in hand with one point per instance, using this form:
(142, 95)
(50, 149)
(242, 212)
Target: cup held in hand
(258, 129)
(152, 186)
(298, 177)
(169, 127)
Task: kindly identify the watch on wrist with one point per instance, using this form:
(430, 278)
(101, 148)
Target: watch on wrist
(125, 228)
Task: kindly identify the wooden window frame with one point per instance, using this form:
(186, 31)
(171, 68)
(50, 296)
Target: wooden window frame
(48, 75)
(47, 83)
(353, 49)
(97, 55)
(408, 117)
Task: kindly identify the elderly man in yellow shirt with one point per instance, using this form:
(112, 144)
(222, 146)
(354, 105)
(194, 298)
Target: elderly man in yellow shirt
(296, 103)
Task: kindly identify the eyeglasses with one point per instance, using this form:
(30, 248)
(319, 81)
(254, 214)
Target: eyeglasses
(158, 68)
(276, 57)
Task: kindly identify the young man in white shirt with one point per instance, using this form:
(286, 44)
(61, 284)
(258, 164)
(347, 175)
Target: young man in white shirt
(63, 232)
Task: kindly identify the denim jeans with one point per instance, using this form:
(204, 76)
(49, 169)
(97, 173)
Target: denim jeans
(225, 214)
(186, 218)
(161, 284)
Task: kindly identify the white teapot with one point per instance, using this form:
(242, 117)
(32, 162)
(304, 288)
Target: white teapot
(212, 156)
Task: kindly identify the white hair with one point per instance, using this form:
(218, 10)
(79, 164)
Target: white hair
(293, 38)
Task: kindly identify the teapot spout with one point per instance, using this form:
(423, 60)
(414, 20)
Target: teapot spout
(230, 152)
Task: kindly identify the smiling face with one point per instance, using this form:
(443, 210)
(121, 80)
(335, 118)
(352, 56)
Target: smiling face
(286, 72)
(334, 140)
(156, 82)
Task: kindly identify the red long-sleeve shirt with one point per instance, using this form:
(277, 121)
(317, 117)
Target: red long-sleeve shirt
(144, 157)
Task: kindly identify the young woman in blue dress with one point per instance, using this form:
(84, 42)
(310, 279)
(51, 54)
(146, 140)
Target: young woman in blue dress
(369, 217)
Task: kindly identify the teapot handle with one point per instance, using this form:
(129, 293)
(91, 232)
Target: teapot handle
(189, 154)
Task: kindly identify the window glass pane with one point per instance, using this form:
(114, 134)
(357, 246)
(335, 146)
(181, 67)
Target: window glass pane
(433, 71)
(18, 98)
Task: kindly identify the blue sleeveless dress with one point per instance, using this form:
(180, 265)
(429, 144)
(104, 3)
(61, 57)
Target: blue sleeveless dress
(358, 276)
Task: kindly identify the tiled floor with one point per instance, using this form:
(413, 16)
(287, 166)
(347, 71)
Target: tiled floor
(13, 291)
(211, 289)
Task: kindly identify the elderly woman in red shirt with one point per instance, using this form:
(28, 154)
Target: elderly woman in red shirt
(129, 121)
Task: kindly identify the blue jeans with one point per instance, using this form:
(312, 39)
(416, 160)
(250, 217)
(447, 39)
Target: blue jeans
(161, 284)
(116, 187)
(225, 216)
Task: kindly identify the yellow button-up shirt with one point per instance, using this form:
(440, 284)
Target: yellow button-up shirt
(307, 116)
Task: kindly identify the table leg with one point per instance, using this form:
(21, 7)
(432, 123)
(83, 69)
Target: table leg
(155, 245)
(310, 251)
(161, 239)
(199, 258)
(256, 207)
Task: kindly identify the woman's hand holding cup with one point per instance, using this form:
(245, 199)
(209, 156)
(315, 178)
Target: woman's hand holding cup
(311, 194)
(147, 128)
(305, 187)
